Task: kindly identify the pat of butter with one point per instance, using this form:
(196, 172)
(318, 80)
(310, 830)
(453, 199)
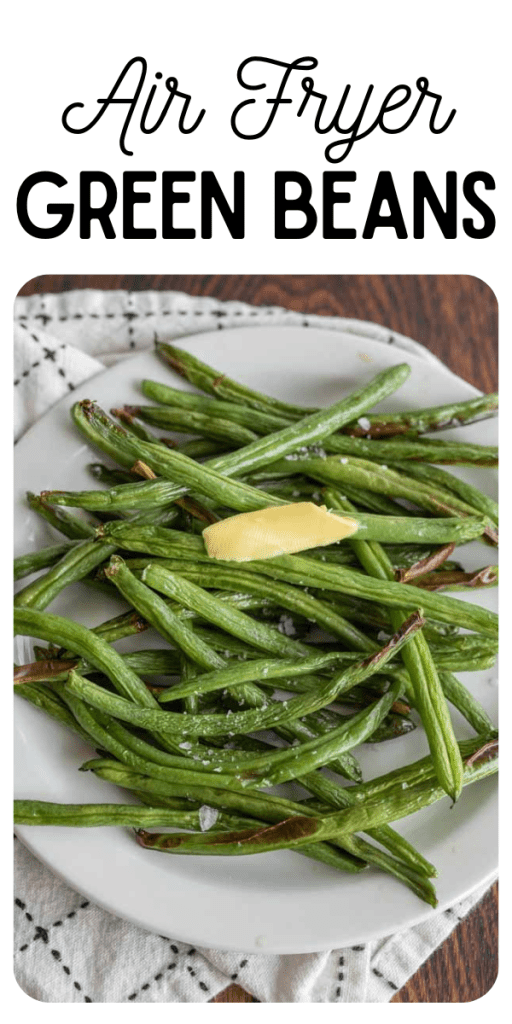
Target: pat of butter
(280, 530)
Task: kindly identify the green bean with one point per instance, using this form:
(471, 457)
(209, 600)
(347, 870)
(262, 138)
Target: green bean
(283, 765)
(71, 526)
(236, 698)
(440, 531)
(145, 663)
(409, 423)
(259, 452)
(369, 527)
(341, 797)
(111, 735)
(313, 427)
(290, 598)
(216, 759)
(169, 464)
(468, 648)
(373, 502)
(188, 672)
(243, 801)
(254, 419)
(33, 561)
(47, 700)
(124, 744)
(130, 623)
(195, 448)
(456, 453)
(470, 494)
(191, 422)
(361, 473)
(294, 832)
(138, 429)
(238, 495)
(466, 704)
(122, 497)
(269, 808)
(450, 663)
(265, 422)
(176, 768)
(463, 649)
(391, 727)
(260, 669)
(112, 477)
(127, 624)
(119, 742)
(305, 729)
(274, 714)
(48, 671)
(405, 869)
(431, 704)
(219, 613)
(366, 500)
(419, 772)
(95, 650)
(38, 812)
(428, 694)
(161, 616)
(41, 812)
(221, 386)
(307, 572)
(421, 421)
(457, 580)
(338, 555)
(297, 570)
(74, 565)
(79, 560)
(246, 692)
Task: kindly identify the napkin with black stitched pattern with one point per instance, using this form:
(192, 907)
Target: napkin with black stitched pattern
(67, 949)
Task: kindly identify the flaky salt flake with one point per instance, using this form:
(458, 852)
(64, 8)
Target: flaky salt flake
(286, 625)
(207, 817)
(364, 423)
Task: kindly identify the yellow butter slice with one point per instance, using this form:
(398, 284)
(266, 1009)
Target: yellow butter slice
(279, 530)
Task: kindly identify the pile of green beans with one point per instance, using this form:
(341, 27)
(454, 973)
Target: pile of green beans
(241, 695)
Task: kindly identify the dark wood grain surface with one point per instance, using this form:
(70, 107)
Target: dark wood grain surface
(456, 317)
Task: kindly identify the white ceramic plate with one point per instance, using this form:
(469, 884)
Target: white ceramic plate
(270, 902)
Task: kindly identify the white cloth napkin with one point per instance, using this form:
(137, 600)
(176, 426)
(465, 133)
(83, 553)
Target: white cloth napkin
(67, 949)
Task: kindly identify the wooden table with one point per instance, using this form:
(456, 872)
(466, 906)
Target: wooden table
(457, 319)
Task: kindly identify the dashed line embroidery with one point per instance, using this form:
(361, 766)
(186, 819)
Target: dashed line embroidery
(243, 963)
(50, 354)
(341, 975)
(157, 977)
(40, 932)
(170, 967)
(43, 934)
(378, 974)
(132, 315)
